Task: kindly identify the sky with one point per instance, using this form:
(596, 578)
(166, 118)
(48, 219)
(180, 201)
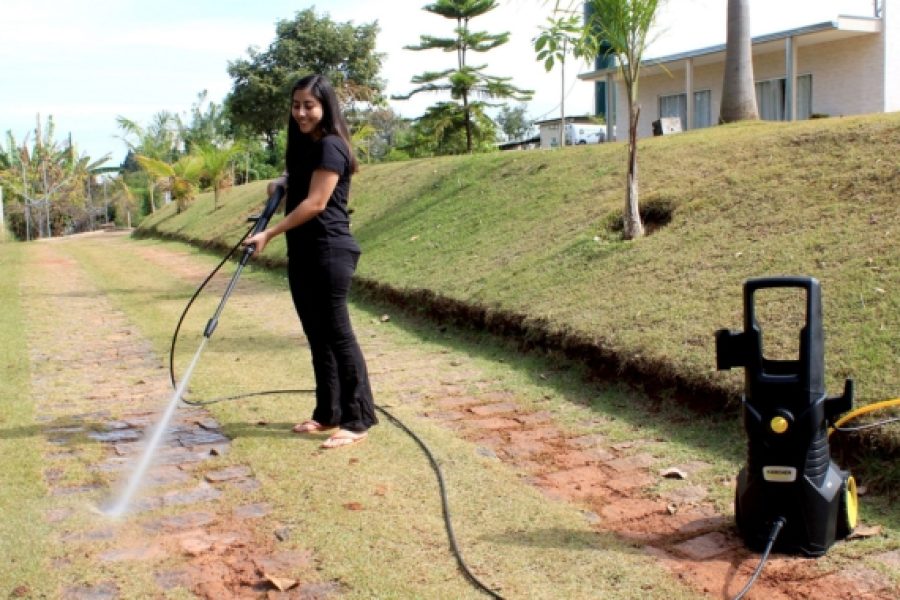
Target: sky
(85, 63)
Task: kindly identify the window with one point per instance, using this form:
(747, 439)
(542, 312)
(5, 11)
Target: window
(675, 105)
(702, 109)
(770, 98)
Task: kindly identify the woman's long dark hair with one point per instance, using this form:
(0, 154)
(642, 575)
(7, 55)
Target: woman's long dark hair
(332, 122)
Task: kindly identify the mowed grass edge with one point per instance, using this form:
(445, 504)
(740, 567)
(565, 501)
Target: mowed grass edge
(23, 529)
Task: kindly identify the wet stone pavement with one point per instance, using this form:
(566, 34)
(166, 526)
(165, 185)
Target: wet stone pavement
(178, 527)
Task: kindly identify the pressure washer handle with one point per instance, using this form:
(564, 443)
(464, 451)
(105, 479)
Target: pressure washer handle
(262, 220)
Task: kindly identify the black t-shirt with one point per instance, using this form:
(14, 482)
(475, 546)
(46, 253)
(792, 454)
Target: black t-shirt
(332, 226)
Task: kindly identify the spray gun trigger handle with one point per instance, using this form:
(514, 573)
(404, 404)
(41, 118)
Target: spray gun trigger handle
(253, 218)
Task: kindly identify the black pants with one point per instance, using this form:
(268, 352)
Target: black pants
(320, 282)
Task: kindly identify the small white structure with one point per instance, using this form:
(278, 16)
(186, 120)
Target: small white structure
(579, 130)
(847, 66)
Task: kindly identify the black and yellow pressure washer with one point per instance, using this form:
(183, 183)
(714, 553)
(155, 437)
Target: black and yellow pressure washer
(790, 495)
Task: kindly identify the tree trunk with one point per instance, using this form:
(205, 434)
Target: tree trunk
(633, 228)
(738, 90)
(468, 117)
(562, 101)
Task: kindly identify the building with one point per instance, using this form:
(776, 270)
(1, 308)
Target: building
(846, 66)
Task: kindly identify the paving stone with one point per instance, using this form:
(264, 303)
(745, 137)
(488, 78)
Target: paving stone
(229, 473)
(208, 423)
(622, 511)
(631, 463)
(252, 511)
(491, 423)
(588, 441)
(318, 591)
(248, 484)
(102, 591)
(487, 410)
(165, 475)
(57, 515)
(143, 552)
(115, 436)
(686, 494)
(706, 546)
(198, 494)
(283, 562)
(534, 418)
(199, 437)
(190, 520)
(629, 481)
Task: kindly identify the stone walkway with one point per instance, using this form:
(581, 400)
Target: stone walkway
(96, 379)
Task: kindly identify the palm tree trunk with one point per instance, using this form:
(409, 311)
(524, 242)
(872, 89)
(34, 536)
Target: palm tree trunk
(738, 90)
(633, 228)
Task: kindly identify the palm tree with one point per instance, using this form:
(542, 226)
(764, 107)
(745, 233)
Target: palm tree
(624, 25)
(180, 178)
(738, 91)
(217, 167)
(159, 140)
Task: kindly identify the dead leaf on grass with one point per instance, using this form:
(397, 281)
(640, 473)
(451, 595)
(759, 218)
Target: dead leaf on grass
(674, 473)
(865, 531)
(381, 490)
(282, 583)
(353, 506)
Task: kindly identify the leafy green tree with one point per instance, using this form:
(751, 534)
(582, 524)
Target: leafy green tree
(441, 131)
(513, 122)
(258, 101)
(559, 38)
(209, 125)
(624, 25)
(46, 184)
(464, 82)
(738, 90)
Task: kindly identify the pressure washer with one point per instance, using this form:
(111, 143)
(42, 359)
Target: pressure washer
(790, 495)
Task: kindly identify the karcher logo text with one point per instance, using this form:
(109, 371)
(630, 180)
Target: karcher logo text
(780, 474)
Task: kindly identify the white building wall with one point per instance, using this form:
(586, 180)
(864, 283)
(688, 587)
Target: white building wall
(846, 78)
(891, 29)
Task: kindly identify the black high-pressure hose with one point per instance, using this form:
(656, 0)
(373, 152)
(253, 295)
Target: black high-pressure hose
(445, 504)
(773, 535)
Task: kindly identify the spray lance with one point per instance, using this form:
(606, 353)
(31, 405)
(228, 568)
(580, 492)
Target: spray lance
(120, 506)
(261, 222)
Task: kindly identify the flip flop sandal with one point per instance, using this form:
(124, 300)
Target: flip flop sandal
(343, 438)
(311, 426)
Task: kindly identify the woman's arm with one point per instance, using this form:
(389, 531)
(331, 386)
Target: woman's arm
(320, 189)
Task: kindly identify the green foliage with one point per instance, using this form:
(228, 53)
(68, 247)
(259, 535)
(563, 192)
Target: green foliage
(258, 102)
(464, 82)
(48, 185)
(557, 40)
(513, 122)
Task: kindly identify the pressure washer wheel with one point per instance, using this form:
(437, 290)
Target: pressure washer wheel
(848, 509)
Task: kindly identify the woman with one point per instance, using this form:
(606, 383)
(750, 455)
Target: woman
(322, 256)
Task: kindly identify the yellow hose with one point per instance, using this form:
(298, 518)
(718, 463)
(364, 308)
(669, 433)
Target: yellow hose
(863, 410)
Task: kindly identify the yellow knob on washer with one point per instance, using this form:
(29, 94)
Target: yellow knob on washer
(779, 424)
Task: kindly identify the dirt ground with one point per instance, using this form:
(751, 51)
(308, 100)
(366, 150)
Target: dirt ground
(221, 553)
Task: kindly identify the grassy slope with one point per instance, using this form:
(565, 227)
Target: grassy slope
(527, 233)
